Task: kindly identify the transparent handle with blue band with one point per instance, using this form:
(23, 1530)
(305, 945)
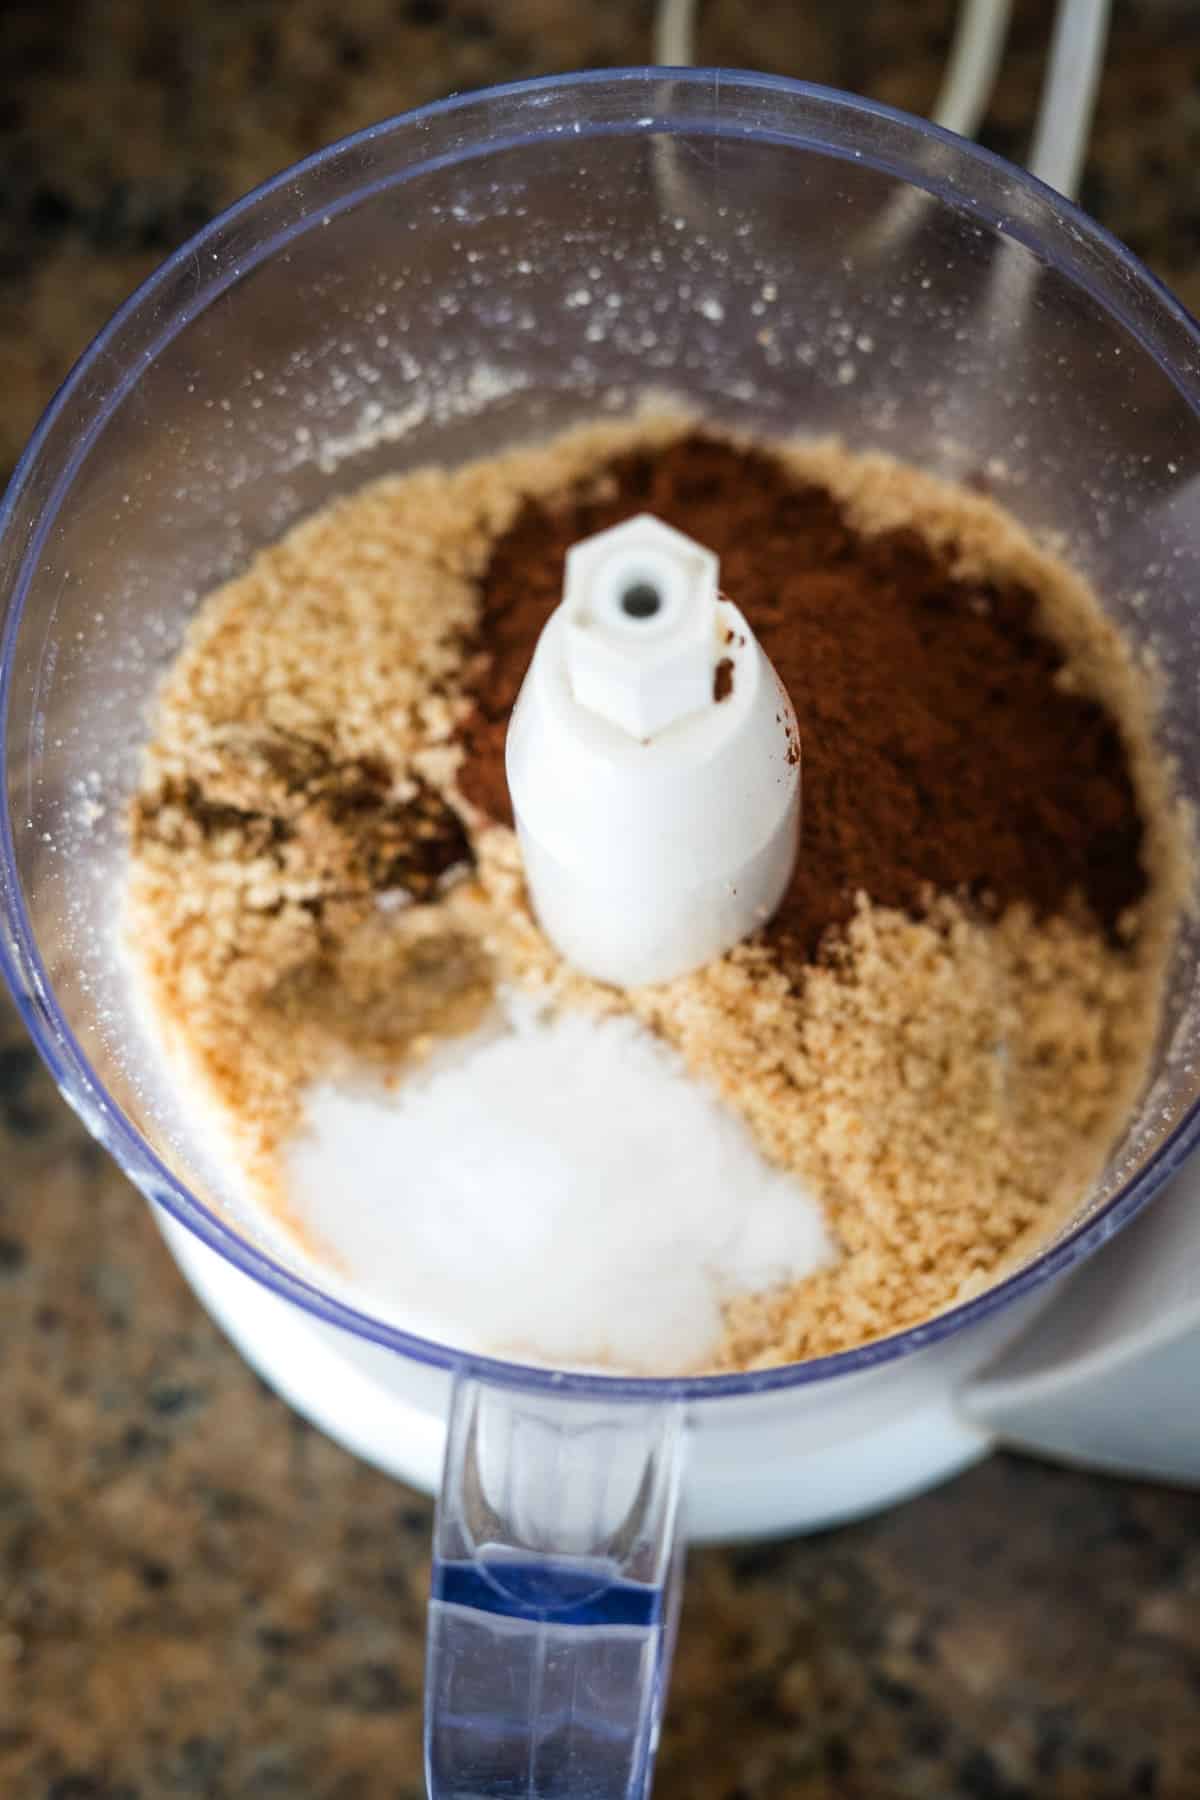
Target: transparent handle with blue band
(557, 1564)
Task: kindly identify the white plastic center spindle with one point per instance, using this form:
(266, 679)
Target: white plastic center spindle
(653, 762)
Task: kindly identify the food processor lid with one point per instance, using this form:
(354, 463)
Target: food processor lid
(1108, 1376)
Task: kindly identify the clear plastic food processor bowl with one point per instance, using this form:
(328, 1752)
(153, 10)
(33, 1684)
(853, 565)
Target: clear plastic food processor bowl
(488, 270)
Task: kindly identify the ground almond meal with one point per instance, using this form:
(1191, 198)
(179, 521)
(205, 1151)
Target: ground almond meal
(947, 1025)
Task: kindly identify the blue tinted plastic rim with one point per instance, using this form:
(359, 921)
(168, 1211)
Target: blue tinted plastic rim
(20, 958)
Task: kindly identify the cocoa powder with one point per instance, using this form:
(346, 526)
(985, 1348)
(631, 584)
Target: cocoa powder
(940, 752)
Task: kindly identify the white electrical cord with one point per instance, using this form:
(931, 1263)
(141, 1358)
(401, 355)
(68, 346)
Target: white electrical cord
(1068, 95)
(970, 71)
(973, 65)
(1064, 122)
(673, 25)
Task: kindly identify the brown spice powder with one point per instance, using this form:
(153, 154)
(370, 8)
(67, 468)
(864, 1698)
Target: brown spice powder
(939, 749)
(950, 1073)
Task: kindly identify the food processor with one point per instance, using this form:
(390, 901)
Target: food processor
(490, 270)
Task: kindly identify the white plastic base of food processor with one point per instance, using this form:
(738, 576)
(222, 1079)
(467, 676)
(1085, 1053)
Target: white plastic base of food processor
(1098, 1367)
(794, 1460)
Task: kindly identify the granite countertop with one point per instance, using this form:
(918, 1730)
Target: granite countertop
(200, 1595)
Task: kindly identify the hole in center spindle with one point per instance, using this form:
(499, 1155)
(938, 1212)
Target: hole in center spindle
(641, 600)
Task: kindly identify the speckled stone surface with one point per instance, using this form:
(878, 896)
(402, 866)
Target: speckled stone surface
(198, 1595)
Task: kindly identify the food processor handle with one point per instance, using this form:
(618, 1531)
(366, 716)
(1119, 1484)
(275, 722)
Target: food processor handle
(557, 1559)
(1108, 1376)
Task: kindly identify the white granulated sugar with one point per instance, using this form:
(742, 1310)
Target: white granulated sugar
(555, 1188)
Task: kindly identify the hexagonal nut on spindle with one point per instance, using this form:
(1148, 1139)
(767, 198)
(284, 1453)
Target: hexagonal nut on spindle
(640, 605)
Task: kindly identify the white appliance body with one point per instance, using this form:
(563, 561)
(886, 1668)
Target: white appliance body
(1101, 1366)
